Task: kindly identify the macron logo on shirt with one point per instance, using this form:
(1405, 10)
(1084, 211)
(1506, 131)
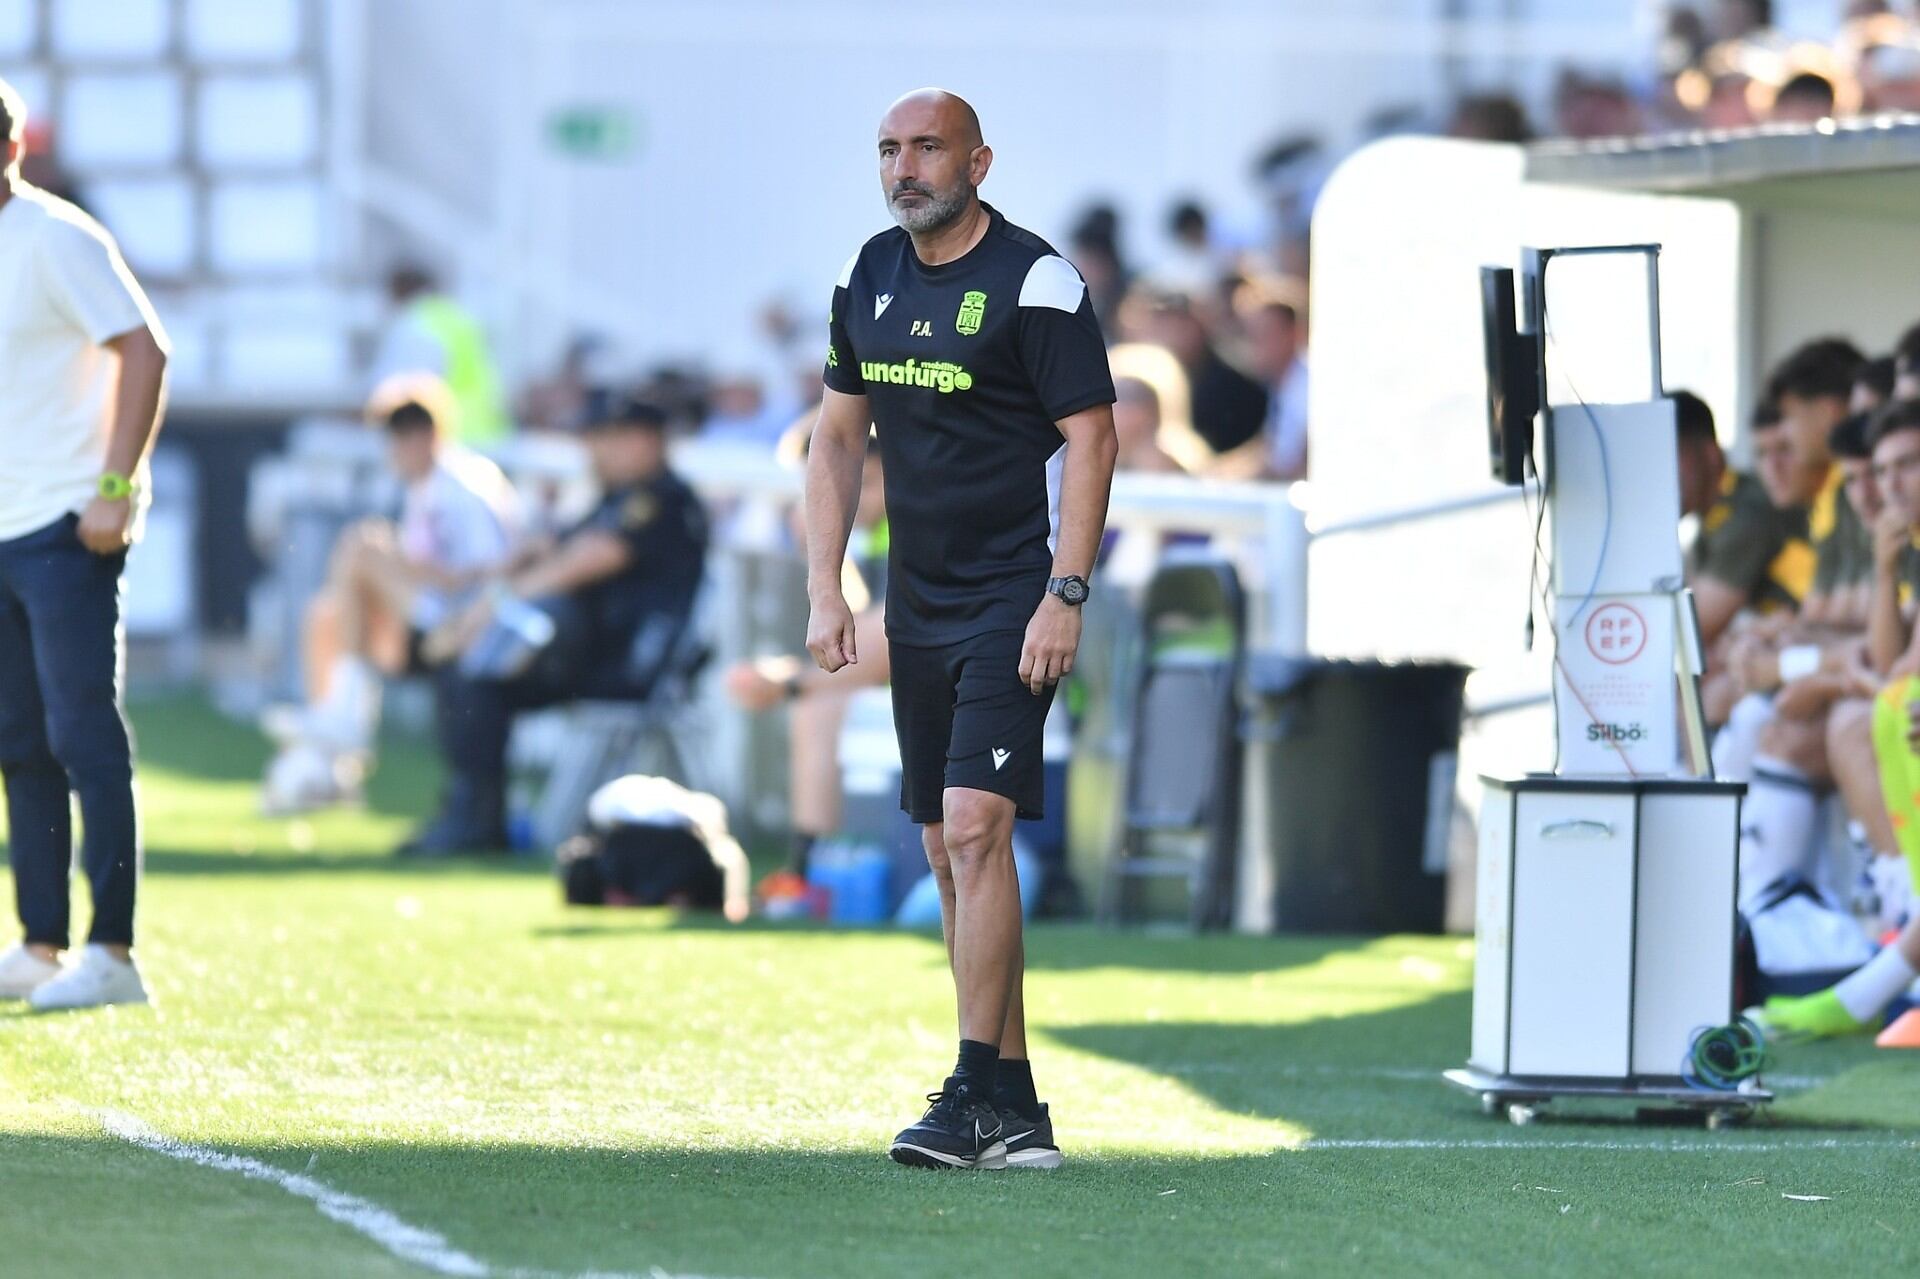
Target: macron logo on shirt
(881, 301)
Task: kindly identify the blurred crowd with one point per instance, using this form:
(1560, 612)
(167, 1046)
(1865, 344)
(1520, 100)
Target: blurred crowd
(1724, 65)
(1207, 340)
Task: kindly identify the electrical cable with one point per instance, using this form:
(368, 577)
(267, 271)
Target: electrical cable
(1721, 1058)
(1599, 564)
(1606, 468)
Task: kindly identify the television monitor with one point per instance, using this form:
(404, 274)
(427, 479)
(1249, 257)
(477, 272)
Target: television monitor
(1513, 385)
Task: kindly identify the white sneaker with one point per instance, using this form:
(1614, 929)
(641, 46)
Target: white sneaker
(306, 777)
(22, 972)
(97, 979)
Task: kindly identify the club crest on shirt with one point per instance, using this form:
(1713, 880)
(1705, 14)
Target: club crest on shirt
(972, 307)
(638, 511)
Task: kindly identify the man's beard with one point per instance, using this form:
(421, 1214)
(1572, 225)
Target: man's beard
(938, 211)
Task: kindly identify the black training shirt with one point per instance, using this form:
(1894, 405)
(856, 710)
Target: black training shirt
(665, 529)
(966, 367)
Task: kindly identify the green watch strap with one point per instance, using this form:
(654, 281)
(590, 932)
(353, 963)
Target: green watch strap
(115, 486)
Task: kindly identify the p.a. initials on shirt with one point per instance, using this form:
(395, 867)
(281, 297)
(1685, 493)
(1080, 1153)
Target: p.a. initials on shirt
(966, 367)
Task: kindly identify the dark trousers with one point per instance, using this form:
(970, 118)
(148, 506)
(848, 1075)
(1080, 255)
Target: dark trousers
(61, 731)
(474, 716)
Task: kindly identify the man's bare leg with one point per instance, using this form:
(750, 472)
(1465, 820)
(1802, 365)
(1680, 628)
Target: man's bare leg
(813, 761)
(1857, 774)
(1013, 1036)
(978, 837)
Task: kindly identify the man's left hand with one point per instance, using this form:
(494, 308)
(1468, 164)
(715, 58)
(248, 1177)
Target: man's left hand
(1053, 637)
(106, 526)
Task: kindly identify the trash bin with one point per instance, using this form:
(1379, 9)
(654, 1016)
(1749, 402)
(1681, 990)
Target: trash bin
(1350, 779)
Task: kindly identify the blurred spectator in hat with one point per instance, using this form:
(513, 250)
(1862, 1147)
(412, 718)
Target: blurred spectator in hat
(602, 614)
(428, 332)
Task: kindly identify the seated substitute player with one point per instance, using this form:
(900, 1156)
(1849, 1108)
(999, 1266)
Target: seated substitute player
(1807, 395)
(616, 594)
(1730, 565)
(1877, 753)
(972, 348)
(388, 585)
(1793, 675)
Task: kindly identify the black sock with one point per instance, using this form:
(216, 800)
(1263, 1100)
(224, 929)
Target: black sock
(799, 851)
(978, 1067)
(1014, 1089)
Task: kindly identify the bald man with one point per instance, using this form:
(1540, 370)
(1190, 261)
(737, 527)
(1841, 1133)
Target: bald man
(972, 348)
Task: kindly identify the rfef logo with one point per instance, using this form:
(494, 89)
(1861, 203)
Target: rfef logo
(1616, 634)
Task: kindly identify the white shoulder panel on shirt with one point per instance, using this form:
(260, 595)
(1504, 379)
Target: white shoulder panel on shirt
(1052, 281)
(846, 272)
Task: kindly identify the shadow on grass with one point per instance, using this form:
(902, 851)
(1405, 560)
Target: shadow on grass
(839, 1212)
(1380, 1073)
(196, 862)
(1070, 946)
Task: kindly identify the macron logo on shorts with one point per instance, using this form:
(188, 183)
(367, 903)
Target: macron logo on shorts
(1000, 757)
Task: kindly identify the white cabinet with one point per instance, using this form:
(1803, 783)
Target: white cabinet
(1604, 925)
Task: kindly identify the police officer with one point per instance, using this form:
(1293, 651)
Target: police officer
(82, 370)
(597, 615)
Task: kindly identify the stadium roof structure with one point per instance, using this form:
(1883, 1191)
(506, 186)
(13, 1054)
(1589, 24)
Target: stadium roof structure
(1868, 166)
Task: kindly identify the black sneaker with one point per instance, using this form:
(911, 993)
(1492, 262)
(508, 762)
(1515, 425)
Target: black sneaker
(1029, 1141)
(961, 1129)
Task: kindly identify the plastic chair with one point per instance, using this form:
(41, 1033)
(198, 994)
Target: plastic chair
(1183, 777)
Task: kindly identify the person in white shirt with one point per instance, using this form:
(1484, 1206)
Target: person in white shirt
(82, 377)
(387, 587)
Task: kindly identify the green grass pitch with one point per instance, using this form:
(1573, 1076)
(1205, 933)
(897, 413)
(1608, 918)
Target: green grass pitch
(560, 1092)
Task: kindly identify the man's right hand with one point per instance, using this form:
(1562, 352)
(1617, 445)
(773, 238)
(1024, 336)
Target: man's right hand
(830, 633)
(1891, 538)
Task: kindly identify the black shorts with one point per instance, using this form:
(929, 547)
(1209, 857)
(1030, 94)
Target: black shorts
(964, 719)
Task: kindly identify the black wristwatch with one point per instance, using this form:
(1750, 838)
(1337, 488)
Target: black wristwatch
(1072, 591)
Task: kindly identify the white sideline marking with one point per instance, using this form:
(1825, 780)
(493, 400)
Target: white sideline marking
(406, 1241)
(426, 1248)
(1677, 1147)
